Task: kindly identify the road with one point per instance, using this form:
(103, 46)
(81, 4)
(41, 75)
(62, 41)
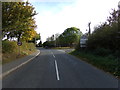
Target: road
(57, 69)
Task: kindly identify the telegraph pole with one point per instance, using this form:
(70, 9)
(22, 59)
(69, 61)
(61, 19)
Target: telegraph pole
(89, 32)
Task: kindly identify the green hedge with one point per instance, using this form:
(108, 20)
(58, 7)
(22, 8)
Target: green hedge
(9, 46)
(109, 63)
(12, 47)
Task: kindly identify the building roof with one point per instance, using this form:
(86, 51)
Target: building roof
(84, 36)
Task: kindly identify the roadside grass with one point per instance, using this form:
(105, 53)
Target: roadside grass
(0, 58)
(62, 48)
(11, 51)
(107, 63)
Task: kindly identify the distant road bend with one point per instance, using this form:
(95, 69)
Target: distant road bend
(57, 69)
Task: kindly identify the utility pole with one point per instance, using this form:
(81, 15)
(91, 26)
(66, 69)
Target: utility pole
(89, 28)
(118, 16)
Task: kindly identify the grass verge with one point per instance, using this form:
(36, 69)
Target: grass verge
(62, 48)
(106, 63)
(11, 51)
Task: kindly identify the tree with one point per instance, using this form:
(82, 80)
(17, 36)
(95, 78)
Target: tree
(40, 44)
(70, 37)
(38, 37)
(57, 39)
(13, 0)
(106, 35)
(50, 41)
(17, 20)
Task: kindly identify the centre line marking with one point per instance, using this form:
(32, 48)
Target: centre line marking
(53, 55)
(57, 73)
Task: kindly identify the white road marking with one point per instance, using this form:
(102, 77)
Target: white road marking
(53, 55)
(57, 73)
(61, 50)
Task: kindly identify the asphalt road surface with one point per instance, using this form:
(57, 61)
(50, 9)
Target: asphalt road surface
(56, 69)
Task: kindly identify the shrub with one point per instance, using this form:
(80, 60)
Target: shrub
(12, 47)
(108, 63)
(102, 51)
(24, 53)
(9, 46)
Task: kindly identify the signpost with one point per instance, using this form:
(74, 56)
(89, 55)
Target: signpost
(19, 44)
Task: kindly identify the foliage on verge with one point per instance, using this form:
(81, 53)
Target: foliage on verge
(106, 35)
(107, 63)
(12, 51)
(69, 38)
(18, 21)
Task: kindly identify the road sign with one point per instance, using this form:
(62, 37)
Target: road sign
(19, 43)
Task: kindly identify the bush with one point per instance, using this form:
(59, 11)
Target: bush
(28, 46)
(108, 63)
(9, 46)
(104, 36)
(102, 51)
(11, 50)
(24, 53)
(12, 47)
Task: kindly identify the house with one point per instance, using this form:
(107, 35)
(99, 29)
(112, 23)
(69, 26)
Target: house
(83, 40)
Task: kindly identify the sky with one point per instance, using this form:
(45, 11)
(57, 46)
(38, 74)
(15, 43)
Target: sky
(54, 16)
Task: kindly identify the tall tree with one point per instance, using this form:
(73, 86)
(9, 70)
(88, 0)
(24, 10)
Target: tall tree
(17, 19)
(106, 35)
(70, 36)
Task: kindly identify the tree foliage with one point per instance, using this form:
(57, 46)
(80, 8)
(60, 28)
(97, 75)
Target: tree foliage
(35, 38)
(106, 35)
(18, 21)
(70, 37)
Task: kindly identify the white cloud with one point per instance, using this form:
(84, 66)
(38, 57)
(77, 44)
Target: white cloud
(77, 14)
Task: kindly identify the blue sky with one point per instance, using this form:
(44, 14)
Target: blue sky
(54, 7)
(54, 16)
